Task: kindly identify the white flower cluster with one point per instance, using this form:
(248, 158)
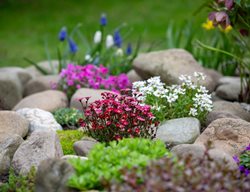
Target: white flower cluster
(154, 87)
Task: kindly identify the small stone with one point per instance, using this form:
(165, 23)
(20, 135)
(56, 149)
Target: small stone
(39, 120)
(179, 131)
(38, 147)
(47, 100)
(67, 157)
(84, 146)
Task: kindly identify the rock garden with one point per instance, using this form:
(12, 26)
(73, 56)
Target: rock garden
(120, 119)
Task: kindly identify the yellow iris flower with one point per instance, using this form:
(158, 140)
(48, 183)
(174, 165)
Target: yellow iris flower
(208, 25)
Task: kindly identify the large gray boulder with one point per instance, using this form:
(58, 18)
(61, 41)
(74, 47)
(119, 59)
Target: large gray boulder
(38, 147)
(41, 83)
(169, 65)
(13, 123)
(50, 100)
(227, 134)
(179, 131)
(8, 146)
(39, 120)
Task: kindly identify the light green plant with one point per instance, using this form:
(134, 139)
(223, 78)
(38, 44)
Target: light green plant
(68, 118)
(68, 138)
(104, 162)
(20, 183)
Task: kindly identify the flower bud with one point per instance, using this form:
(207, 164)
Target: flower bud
(109, 41)
(97, 37)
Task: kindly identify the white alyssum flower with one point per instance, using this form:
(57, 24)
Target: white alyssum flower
(109, 41)
(199, 76)
(193, 112)
(97, 37)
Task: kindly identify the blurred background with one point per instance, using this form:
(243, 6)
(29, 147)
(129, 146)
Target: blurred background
(29, 28)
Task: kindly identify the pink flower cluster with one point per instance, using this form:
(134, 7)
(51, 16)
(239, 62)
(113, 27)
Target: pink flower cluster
(118, 116)
(91, 76)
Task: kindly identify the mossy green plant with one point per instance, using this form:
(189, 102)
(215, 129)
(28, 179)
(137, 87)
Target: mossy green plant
(68, 138)
(20, 183)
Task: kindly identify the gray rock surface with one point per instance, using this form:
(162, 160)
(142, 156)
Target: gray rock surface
(94, 94)
(8, 146)
(39, 120)
(179, 131)
(50, 66)
(84, 146)
(227, 134)
(133, 76)
(233, 108)
(40, 84)
(12, 123)
(47, 100)
(169, 65)
(12, 80)
(38, 147)
(229, 88)
(52, 175)
(198, 151)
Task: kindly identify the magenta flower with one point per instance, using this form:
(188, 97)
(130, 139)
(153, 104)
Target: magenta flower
(219, 18)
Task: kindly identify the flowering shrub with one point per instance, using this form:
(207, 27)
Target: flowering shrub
(118, 116)
(75, 77)
(244, 161)
(187, 174)
(176, 101)
(105, 162)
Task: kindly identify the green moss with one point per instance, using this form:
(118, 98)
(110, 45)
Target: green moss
(68, 138)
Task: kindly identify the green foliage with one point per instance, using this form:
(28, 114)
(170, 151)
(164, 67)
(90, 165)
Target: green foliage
(186, 36)
(68, 138)
(20, 183)
(189, 174)
(68, 118)
(245, 159)
(104, 162)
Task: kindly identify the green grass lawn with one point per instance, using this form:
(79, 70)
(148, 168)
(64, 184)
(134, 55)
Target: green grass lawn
(26, 25)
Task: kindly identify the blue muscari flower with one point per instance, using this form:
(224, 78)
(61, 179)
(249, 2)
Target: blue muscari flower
(72, 46)
(103, 20)
(62, 34)
(129, 49)
(117, 38)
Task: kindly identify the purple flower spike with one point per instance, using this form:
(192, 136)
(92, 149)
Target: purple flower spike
(72, 46)
(62, 34)
(103, 20)
(117, 39)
